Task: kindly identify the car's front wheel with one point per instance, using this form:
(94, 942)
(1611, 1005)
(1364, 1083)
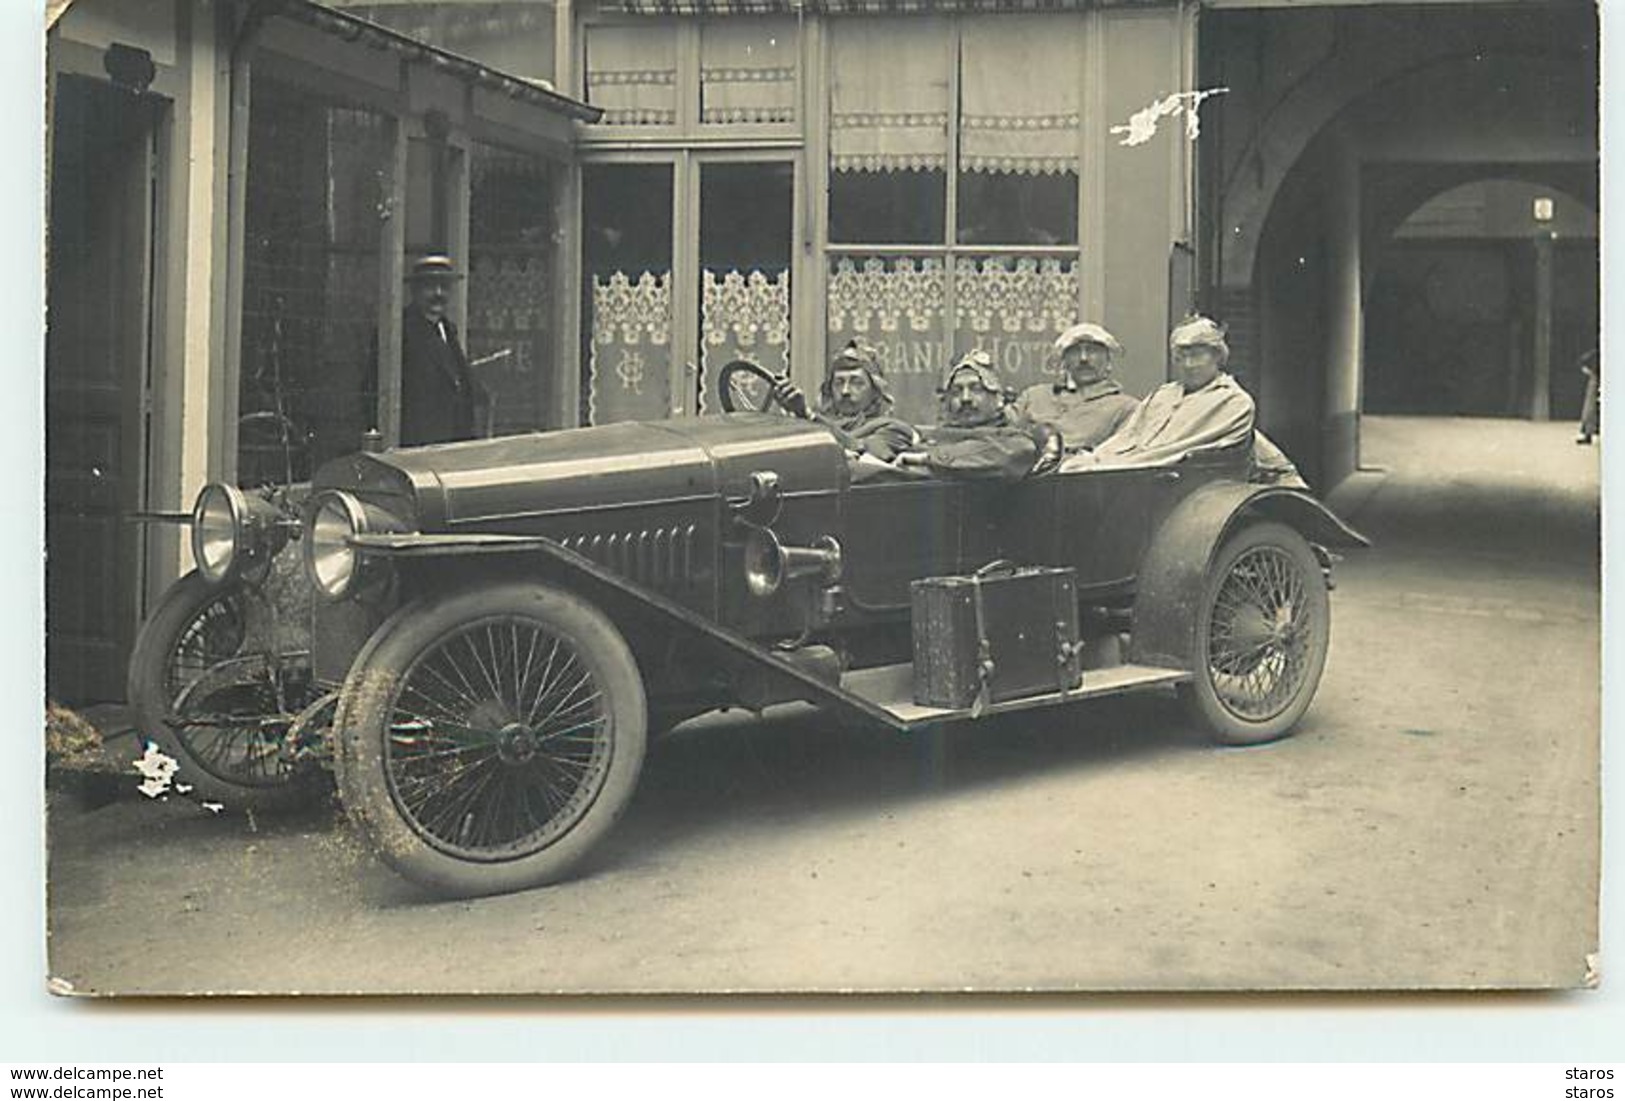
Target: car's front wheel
(489, 739)
(1262, 631)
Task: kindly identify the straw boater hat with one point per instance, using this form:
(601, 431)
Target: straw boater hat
(429, 268)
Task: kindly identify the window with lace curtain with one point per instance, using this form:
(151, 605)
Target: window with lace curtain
(738, 71)
(748, 71)
(632, 74)
(953, 191)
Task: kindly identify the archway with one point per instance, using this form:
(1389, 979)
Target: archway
(1354, 143)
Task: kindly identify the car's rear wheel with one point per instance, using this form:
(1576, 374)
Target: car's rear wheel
(220, 708)
(489, 739)
(1262, 631)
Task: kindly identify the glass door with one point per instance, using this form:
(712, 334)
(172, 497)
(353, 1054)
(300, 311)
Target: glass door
(688, 266)
(746, 225)
(630, 373)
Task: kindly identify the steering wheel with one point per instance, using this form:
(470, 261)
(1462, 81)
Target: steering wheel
(746, 387)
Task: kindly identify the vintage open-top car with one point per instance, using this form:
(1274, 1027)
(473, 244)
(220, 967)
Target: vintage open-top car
(485, 633)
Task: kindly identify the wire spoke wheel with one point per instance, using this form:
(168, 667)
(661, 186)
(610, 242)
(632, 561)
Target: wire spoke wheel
(238, 733)
(211, 700)
(1258, 639)
(232, 712)
(216, 633)
(1262, 635)
(490, 738)
(498, 740)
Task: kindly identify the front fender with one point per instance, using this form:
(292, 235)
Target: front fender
(1172, 576)
(634, 608)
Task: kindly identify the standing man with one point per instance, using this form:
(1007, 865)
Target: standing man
(1590, 407)
(1085, 405)
(439, 397)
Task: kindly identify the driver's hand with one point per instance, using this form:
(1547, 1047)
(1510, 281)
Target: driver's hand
(789, 397)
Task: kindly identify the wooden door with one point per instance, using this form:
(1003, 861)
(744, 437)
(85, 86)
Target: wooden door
(98, 311)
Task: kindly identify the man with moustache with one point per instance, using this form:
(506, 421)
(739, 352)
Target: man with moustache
(439, 397)
(855, 402)
(1085, 404)
(979, 438)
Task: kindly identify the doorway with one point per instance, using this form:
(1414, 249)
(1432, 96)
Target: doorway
(1482, 303)
(1448, 330)
(97, 373)
(745, 213)
(688, 265)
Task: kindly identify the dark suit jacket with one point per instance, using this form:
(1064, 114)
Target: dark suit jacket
(437, 392)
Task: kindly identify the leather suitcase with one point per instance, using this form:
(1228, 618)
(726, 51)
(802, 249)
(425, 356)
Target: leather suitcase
(1002, 633)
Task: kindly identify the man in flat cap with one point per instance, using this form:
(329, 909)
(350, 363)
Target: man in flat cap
(978, 436)
(854, 401)
(1203, 409)
(439, 398)
(1085, 404)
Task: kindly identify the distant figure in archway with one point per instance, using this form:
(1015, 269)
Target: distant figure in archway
(1591, 407)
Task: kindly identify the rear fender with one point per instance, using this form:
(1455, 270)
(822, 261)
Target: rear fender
(1174, 573)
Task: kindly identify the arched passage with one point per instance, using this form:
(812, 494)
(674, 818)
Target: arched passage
(1354, 120)
(1480, 300)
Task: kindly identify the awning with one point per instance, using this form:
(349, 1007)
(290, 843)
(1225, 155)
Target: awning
(861, 7)
(355, 29)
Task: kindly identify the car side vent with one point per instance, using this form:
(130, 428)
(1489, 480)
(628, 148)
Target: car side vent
(653, 556)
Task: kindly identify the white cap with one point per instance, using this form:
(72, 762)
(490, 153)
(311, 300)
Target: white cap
(1087, 332)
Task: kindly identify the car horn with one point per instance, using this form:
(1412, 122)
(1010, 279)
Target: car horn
(769, 563)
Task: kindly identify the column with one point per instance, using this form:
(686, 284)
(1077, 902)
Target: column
(1540, 384)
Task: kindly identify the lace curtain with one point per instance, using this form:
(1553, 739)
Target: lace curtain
(896, 304)
(889, 104)
(743, 315)
(1020, 81)
(629, 370)
(748, 71)
(1012, 307)
(632, 75)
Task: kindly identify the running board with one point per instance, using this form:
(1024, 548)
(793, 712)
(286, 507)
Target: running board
(891, 688)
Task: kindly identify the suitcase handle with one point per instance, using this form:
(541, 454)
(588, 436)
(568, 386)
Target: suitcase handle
(998, 565)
